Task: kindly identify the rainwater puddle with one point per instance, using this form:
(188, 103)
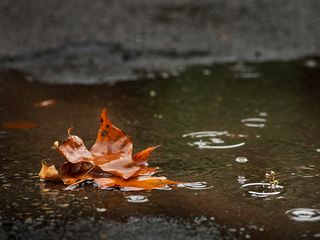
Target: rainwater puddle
(159, 112)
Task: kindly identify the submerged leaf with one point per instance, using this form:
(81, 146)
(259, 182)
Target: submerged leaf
(49, 172)
(135, 184)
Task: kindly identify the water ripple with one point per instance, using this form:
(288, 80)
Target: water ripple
(214, 140)
(304, 214)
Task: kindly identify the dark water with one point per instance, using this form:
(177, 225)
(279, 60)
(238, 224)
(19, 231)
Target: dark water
(220, 102)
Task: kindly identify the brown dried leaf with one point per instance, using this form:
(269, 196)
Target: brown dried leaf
(135, 184)
(74, 150)
(109, 162)
(49, 172)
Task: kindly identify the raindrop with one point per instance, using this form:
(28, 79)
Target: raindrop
(195, 185)
(304, 214)
(262, 190)
(137, 198)
(241, 160)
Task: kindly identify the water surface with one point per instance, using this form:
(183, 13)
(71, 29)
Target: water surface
(267, 113)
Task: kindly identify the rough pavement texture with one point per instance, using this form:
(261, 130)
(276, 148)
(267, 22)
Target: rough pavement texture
(77, 39)
(134, 228)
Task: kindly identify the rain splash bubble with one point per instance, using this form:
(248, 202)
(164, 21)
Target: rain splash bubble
(304, 214)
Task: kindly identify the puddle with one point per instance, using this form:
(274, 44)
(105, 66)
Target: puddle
(159, 112)
(214, 140)
(304, 214)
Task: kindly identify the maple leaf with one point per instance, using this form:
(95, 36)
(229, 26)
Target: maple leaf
(109, 163)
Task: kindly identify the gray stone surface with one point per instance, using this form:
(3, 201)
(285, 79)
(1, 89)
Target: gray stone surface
(67, 41)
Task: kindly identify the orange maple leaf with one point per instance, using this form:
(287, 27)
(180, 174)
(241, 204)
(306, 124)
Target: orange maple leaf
(109, 162)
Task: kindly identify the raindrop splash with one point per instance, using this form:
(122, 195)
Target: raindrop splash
(304, 214)
(241, 160)
(254, 122)
(262, 190)
(215, 140)
(137, 198)
(195, 185)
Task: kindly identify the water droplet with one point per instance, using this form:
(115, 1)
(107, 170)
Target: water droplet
(241, 160)
(262, 190)
(195, 185)
(101, 209)
(137, 198)
(215, 140)
(304, 214)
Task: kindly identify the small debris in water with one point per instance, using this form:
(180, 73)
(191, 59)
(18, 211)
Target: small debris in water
(318, 149)
(137, 198)
(101, 209)
(241, 160)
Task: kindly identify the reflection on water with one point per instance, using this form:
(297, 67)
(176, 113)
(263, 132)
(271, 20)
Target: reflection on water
(279, 130)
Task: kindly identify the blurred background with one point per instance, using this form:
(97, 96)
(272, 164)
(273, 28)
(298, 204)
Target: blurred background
(81, 41)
